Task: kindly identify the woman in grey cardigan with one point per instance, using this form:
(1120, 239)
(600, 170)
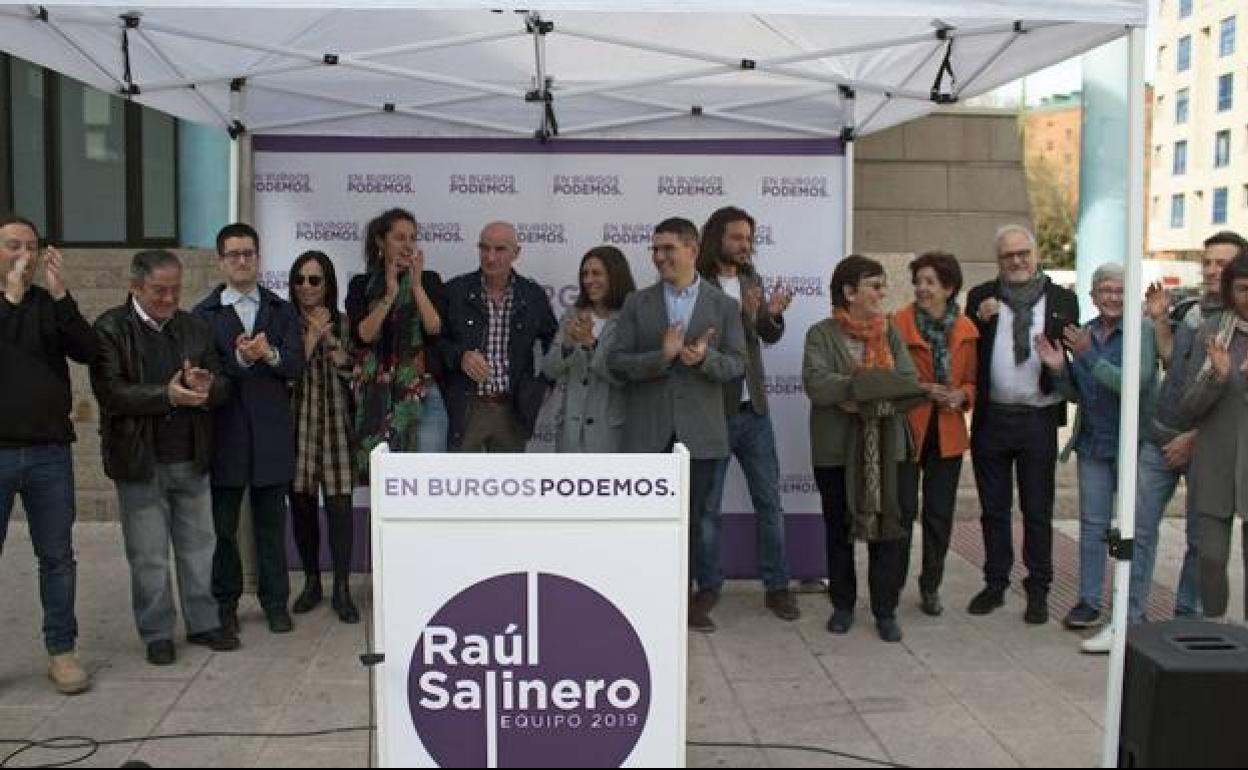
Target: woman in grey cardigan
(861, 382)
(591, 409)
(1216, 404)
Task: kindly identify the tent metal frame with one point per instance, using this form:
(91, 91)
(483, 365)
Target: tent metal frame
(544, 91)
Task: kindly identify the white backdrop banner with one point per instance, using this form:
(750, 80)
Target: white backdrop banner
(566, 197)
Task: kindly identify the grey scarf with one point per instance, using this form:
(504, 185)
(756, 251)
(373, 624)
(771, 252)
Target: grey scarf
(1021, 298)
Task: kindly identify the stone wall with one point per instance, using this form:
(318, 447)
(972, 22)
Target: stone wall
(947, 182)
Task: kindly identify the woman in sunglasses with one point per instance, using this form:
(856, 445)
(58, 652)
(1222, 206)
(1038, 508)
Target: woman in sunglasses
(322, 405)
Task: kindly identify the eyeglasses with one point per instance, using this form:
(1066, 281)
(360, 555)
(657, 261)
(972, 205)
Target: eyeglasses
(312, 280)
(240, 254)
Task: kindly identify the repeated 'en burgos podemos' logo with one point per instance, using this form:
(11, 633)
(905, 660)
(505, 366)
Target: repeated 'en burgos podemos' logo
(529, 670)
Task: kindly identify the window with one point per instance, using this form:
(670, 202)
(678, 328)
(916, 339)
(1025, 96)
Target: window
(1219, 206)
(1180, 158)
(1183, 60)
(1226, 91)
(1222, 149)
(90, 169)
(27, 134)
(1226, 37)
(92, 152)
(1181, 100)
(1176, 210)
(1185, 8)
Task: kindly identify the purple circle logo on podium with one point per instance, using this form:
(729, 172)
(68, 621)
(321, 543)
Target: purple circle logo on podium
(529, 670)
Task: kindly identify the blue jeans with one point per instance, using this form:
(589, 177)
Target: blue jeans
(1154, 489)
(174, 506)
(752, 441)
(44, 475)
(1098, 481)
(434, 423)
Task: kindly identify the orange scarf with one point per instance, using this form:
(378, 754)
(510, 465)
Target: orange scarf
(872, 334)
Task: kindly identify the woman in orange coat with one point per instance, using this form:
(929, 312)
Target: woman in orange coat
(942, 341)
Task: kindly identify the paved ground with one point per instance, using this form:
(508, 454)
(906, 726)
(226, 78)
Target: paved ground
(958, 691)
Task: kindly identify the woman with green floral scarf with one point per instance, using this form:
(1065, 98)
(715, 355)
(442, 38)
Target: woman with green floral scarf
(395, 309)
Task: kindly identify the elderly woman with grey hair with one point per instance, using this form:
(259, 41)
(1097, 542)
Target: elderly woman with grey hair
(1094, 380)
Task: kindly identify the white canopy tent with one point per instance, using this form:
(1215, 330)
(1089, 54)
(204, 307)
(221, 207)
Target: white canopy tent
(586, 69)
(805, 68)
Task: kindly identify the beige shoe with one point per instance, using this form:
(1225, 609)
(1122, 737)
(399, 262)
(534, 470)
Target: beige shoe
(67, 675)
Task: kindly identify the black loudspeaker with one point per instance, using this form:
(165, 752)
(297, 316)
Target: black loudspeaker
(1185, 696)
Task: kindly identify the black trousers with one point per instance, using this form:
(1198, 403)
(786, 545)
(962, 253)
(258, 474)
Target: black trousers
(1003, 440)
(937, 477)
(305, 515)
(884, 558)
(268, 513)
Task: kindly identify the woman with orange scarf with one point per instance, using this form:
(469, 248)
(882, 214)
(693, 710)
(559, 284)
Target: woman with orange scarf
(860, 381)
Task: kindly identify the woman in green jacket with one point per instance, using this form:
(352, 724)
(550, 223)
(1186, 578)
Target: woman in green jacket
(861, 382)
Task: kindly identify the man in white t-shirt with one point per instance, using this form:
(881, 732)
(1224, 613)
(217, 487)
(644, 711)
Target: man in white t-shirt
(726, 260)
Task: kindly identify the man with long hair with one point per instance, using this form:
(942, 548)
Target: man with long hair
(725, 259)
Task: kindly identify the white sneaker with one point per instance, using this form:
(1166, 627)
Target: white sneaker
(1100, 644)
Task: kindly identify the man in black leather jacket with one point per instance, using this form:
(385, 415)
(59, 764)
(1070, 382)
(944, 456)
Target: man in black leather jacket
(156, 378)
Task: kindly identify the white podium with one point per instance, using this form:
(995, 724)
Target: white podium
(530, 609)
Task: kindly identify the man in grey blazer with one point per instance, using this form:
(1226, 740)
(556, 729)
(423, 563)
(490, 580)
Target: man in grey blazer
(725, 260)
(677, 343)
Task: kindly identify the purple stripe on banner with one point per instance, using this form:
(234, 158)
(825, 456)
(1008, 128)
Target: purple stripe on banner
(383, 144)
(803, 541)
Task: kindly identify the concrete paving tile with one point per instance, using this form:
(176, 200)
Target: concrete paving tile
(18, 722)
(1016, 702)
(230, 681)
(790, 697)
(276, 755)
(972, 748)
(826, 728)
(787, 656)
(208, 752)
(1053, 748)
(849, 754)
(700, 756)
(948, 735)
(109, 711)
(314, 706)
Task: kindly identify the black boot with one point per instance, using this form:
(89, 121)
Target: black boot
(311, 594)
(338, 508)
(341, 601)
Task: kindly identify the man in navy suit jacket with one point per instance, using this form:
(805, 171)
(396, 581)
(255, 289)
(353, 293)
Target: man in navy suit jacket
(259, 338)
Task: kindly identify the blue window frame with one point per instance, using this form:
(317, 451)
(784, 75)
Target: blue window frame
(1219, 206)
(1226, 91)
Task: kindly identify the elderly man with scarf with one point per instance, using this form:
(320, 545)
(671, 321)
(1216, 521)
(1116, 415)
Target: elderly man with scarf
(1014, 429)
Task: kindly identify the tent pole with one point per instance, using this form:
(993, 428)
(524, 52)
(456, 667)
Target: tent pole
(234, 179)
(847, 214)
(1130, 402)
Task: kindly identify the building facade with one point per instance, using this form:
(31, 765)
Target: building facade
(1199, 148)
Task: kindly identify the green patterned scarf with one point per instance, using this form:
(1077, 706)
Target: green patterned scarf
(389, 376)
(935, 332)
